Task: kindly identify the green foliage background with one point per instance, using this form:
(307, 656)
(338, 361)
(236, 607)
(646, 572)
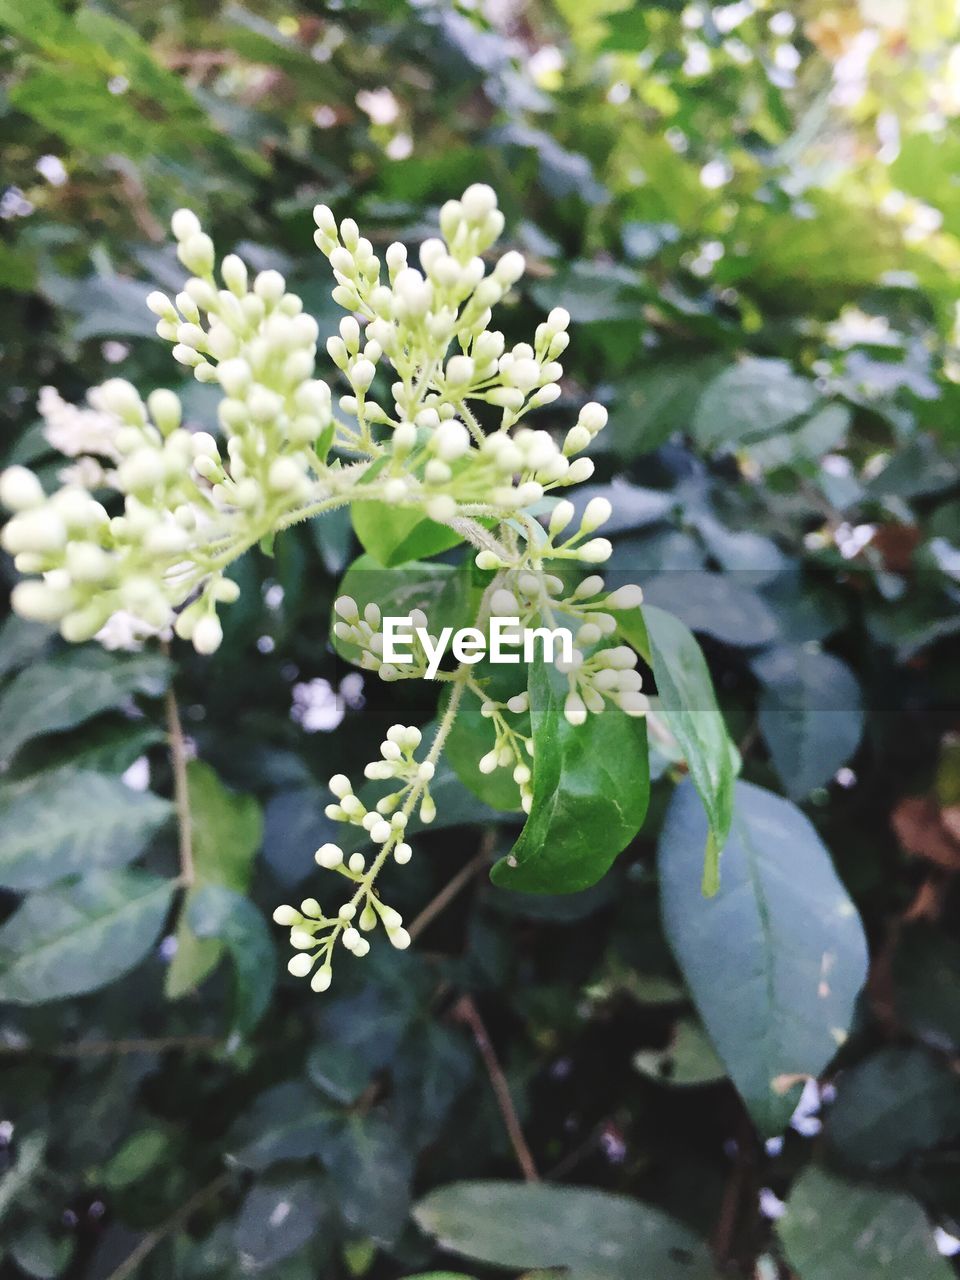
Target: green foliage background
(753, 218)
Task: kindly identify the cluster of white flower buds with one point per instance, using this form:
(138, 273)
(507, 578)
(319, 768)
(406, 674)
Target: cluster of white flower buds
(152, 513)
(312, 933)
(511, 749)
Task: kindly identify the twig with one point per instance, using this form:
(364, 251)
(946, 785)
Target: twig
(181, 788)
(177, 1219)
(467, 1012)
(96, 1048)
(453, 886)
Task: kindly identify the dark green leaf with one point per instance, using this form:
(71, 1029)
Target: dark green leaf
(69, 822)
(591, 785)
(217, 912)
(595, 1235)
(776, 960)
(71, 688)
(836, 1230)
(79, 936)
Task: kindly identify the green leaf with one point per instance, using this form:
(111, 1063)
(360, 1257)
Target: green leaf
(689, 708)
(286, 1122)
(716, 605)
(810, 714)
(896, 1103)
(371, 1167)
(396, 535)
(71, 688)
(593, 1234)
(69, 822)
(277, 1218)
(836, 1230)
(591, 785)
(79, 936)
(215, 912)
(749, 401)
(657, 402)
(139, 1155)
(226, 831)
(776, 960)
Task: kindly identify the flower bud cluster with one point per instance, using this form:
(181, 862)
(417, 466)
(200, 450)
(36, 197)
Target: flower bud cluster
(363, 631)
(312, 933)
(511, 749)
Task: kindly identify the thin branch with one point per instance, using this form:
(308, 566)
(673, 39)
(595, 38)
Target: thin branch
(467, 1012)
(149, 1242)
(181, 788)
(453, 886)
(97, 1048)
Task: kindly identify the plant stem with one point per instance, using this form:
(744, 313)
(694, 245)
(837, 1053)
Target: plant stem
(181, 787)
(149, 1242)
(467, 1012)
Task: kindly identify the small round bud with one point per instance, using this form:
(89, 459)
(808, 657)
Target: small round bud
(593, 416)
(329, 856)
(286, 916)
(402, 854)
(207, 634)
(626, 597)
(598, 511)
(300, 965)
(20, 489)
(596, 551)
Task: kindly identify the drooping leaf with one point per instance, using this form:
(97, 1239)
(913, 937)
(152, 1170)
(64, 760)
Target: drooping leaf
(69, 822)
(776, 959)
(81, 935)
(899, 1101)
(593, 1234)
(591, 784)
(811, 714)
(837, 1230)
(688, 705)
(73, 687)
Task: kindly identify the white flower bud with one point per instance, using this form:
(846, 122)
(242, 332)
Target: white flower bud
(197, 253)
(356, 863)
(361, 375)
(510, 268)
(597, 512)
(20, 489)
(580, 469)
(576, 440)
(40, 530)
(593, 416)
(596, 551)
(284, 475)
(399, 938)
(402, 854)
(39, 602)
(207, 634)
(574, 709)
(329, 856)
(460, 371)
(234, 274)
(478, 201)
(321, 979)
(184, 224)
(381, 832)
(270, 286)
(325, 220)
(287, 916)
(561, 515)
(626, 597)
(300, 965)
(451, 440)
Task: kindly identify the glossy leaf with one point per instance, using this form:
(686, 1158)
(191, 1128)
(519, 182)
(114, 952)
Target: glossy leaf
(80, 935)
(811, 715)
(794, 956)
(837, 1230)
(216, 912)
(595, 1235)
(591, 785)
(73, 687)
(69, 822)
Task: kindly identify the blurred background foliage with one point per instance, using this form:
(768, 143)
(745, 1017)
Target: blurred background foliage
(752, 213)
